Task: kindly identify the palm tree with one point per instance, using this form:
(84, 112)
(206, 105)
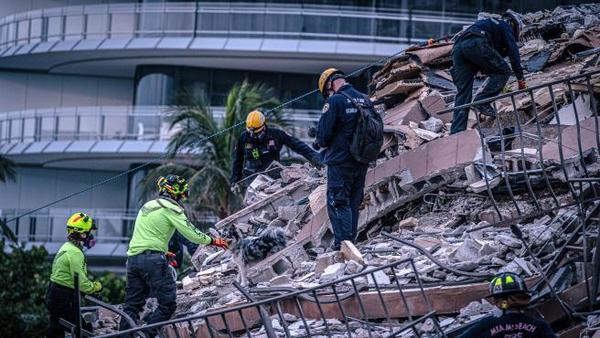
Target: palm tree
(210, 141)
(7, 170)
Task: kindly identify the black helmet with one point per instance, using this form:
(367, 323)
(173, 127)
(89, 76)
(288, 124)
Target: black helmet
(507, 283)
(515, 21)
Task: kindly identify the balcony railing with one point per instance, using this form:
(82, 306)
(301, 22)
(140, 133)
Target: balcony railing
(142, 123)
(190, 20)
(48, 225)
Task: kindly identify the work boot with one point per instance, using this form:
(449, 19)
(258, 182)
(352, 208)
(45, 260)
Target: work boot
(486, 110)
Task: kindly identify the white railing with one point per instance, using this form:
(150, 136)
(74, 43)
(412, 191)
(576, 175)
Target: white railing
(226, 20)
(48, 225)
(96, 123)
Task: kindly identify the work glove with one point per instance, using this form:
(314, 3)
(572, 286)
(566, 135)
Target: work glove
(236, 189)
(97, 287)
(172, 259)
(316, 146)
(522, 84)
(219, 243)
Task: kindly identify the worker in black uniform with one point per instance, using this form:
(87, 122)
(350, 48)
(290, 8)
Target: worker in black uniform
(482, 47)
(345, 175)
(510, 294)
(260, 145)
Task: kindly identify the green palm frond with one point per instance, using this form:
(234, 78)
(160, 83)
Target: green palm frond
(210, 142)
(7, 170)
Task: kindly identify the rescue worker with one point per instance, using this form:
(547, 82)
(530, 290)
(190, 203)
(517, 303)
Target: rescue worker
(345, 176)
(482, 47)
(148, 270)
(260, 145)
(510, 294)
(70, 260)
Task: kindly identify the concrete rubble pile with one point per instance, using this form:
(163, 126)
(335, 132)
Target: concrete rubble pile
(429, 188)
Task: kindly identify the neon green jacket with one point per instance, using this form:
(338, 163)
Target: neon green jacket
(155, 224)
(70, 260)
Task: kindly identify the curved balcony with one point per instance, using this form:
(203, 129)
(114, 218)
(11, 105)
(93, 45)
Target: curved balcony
(62, 137)
(103, 34)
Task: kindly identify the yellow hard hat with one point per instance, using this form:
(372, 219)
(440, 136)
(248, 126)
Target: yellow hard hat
(80, 222)
(255, 122)
(325, 77)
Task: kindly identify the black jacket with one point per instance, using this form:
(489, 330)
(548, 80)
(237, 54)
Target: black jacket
(500, 35)
(252, 155)
(337, 125)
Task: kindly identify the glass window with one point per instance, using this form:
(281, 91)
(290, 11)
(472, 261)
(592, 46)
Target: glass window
(294, 85)
(67, 127)
(222, 82)
(426, 30)
(122, 25)
(154, 89)
(355, 26)
(54, 28)
(15, 130)
(12, 31)
(180, 24)
(36, 30)
(247, 22)
(88, 126)
(47, 128)
(150, 24)
(97, 26)
(29, 129)
(23, 32)
(74, 27)
(283, 23)
(388, 28)
(213, 22)
(320, 24)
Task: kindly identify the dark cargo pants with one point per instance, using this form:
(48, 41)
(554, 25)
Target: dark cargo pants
(148, 275)
(470, 55)
(60, 301)
(345, 189)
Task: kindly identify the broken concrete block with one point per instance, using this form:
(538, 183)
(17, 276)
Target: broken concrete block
(491, 216)
(318, 199)
(509, 241)
(404, 113)
(432, 124)
(325, 260)
(423, 133)
(281, 280)
(408, 223)
(467, 251)
(288, 212)
(190, 283)
(379, 276)
(353, 267)
(332, 273)
(350, 252)
(566, 114)
(256, 276)
(481, 186)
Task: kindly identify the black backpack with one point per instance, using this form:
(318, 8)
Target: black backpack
(368, 135)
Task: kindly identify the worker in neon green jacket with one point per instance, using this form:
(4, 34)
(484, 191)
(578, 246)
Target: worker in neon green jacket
(147, 265)
(70, 260)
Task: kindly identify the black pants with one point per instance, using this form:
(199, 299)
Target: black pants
(60, 301)
(345, 190)
(148, 275)
(470, 55)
